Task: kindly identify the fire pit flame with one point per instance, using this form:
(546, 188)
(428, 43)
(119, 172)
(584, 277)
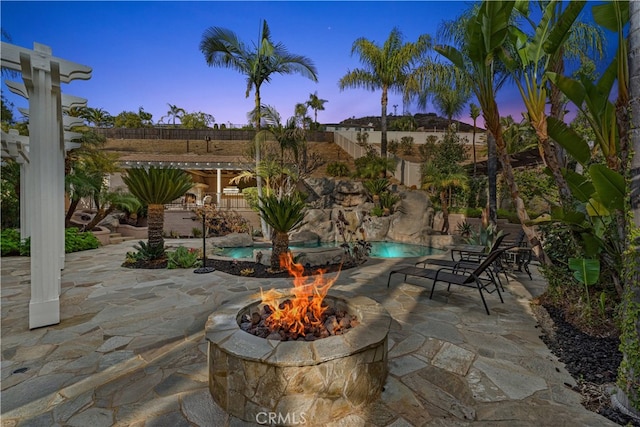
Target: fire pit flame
(305, 309)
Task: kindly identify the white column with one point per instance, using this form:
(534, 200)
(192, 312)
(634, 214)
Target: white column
(218, 187)
(42, 75)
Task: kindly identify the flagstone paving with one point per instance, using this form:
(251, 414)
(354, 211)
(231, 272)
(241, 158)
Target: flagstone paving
(130, 350)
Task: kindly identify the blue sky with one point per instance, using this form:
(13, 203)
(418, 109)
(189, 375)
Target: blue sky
(146, 54)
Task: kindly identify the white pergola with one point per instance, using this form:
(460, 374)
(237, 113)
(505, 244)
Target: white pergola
(41, 156)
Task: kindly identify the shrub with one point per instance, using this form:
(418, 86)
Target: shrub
(183, 258)
(74, 241)
(509, 215)
(472, 212)
(250, 195)
(393, 146)
(10, 242)
(406, 143)
(374, 166)
(338, 169)
(221, 222)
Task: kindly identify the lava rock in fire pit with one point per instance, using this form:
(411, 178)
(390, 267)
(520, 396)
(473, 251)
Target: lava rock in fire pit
(332, 322)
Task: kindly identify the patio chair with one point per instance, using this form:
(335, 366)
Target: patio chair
(458, 276)
(471, 263)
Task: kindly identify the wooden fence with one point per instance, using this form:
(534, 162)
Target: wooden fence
(196, 134)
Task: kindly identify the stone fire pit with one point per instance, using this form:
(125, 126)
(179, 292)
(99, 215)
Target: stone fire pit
(297, 382)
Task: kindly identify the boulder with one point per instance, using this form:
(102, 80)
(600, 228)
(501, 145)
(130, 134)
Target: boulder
(314, 257)
(318, 187)
(303, 237)
(412, 221)
(233, 240)
(377, 228)
(349, 193)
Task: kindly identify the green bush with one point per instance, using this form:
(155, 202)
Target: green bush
(406, 144)
(338, 169)
(472, 212)
(393, 146)
(74, 241)
(10, 242)
(250, 195)
(509, 215)
(183, 258)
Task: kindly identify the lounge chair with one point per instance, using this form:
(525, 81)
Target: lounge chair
(458, 276)
(471, 263)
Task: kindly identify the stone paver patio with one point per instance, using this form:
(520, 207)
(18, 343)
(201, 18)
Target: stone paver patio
(130, 350)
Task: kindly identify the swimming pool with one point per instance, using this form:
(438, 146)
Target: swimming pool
(378, 250)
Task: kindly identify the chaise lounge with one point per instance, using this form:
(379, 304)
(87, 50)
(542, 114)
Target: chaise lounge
(458, 276)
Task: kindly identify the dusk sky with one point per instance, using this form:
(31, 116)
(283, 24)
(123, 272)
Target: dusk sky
(146, 54)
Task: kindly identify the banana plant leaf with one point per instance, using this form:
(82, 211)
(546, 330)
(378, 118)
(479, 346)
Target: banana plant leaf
(610, 186)
(586, 271)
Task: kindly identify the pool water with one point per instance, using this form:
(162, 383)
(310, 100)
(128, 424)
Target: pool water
(378, 250)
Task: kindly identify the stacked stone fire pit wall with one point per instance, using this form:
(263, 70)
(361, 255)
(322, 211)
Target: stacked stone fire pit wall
(315, 382)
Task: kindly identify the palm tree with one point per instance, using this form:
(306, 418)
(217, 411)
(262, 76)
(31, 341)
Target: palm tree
(288, 135)
(442, 182)
(98, 116)
(300, 112)
(484, 43)
(386, 67)
(316, 104)
(222, 48)
(174, 113)
(474, 112)
(283, 216)
(155, 187)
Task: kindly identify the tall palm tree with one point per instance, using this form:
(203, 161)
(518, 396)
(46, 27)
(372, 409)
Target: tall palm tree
(316, 103)
(283, 215)
(385, 67)
(155, 187)
(474, 112)
(174, 113)
(446, 86)
(222, 48)
(300, 112)
(98, 116)
(484, 43)
(450, 102)
(288, 135)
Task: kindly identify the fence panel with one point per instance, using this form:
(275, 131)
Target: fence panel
(196, 134)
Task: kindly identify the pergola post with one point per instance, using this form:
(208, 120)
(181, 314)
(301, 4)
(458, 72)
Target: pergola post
(218, 187)
(42, 74)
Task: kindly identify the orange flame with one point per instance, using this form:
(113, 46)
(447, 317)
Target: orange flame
(305, 309)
